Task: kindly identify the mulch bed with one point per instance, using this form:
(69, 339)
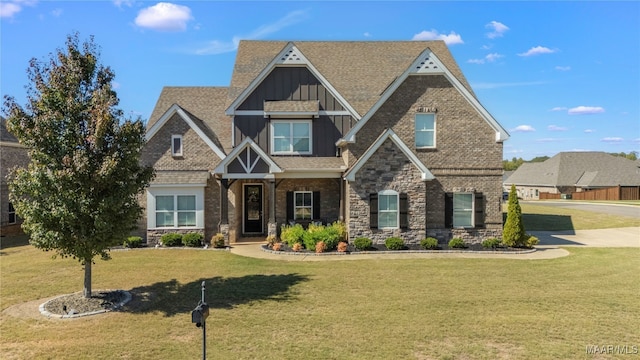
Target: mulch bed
(380, 248)
(77, 304)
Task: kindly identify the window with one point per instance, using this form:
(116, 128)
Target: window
(425, 129)
(387, 209)
(291, 137)
(303, 205)
(12, 214)
(175, 211)
(176, 145)
(463, 210)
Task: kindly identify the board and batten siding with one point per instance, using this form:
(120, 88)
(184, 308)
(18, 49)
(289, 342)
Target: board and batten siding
(293, 84)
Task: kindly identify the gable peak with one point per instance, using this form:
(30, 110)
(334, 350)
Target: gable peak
(292, 56)
(428, 63)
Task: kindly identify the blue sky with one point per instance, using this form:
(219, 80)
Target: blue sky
(559, 76)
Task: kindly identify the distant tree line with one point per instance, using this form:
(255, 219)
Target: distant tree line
(514, 163)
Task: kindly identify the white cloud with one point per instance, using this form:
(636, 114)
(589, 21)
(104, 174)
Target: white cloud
(585, 110)
(7, 10)
(489, 58)
(556, 128)
(56, 12)
(219, 47)
(563, 68)
(589, 131)
(498, 29)
(450, 39)
(558, 108)
(164, 17)
(537, 51)
(523, 128)
(637, 141)
(367, 34)
(120, 3)
(612, 139)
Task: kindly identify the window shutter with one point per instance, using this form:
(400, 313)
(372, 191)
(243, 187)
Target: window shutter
(479, 210)
(289, 205)
(316, 205)
(404, 211)
(373, 211)
(448, 210)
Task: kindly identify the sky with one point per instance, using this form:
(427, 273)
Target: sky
(558, 76)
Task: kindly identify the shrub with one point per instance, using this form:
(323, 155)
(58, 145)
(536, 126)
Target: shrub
(320, 247)
(341, 230)
(132, 242)
(513, 233)
(271, 239)
(329, 235)
(192, 239)
(342, 246)
(429, 243)
(362, 243)
(276, 246)
(296, 247)
(291, 234)
(171, 239)
(394, 243)
(217, 240)
(457, 243)
(530, 241)
(491, 243)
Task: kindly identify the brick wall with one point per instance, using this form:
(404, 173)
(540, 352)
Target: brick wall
(11, 155)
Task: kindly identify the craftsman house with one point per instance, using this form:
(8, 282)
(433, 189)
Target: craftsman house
(385, 136)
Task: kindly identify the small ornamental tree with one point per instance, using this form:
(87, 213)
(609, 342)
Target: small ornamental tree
(513, 233)
(78, 195)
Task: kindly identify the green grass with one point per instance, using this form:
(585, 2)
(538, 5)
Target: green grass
(547, 218)
(365, 309)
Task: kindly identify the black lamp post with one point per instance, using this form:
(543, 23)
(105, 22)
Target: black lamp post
(199, 317)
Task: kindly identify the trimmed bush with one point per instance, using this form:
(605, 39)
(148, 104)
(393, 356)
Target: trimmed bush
(341, 230)
(132, 242)
(292, 234)
(296, 247)
(342, 246)
(394, 243)
(429, 243)
(530, 241)
(457, 243)
(217, 240)
(321, 247)
(276, 246)
(513, 234)
(316, 233)
(362, 243)
(171, 239)
(192, 239)
(491, 243)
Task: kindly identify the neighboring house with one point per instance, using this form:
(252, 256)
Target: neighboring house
(385, 136)
(569, 172)
(12, 154)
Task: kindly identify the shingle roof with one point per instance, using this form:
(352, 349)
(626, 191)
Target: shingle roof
(584, 169)
(180, 177)
(310, 106)
(309, 163)
(204, 105)
(359, 70)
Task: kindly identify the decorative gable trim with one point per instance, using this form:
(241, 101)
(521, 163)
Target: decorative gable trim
(243, 153)
(290, 56)
(426, 64)
(175, 109)
(388, 134)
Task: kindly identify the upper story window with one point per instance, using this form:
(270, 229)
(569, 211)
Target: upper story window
(290, 137)
(463, 209)
(425, 130)
(12, 214)
(176, 145)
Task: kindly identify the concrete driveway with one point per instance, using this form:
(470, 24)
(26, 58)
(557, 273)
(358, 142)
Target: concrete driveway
(617, 237)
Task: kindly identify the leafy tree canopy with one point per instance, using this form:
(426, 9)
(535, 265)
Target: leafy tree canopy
(78, 196)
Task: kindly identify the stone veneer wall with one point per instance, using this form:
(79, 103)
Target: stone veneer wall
(154, 235)
(387, 169)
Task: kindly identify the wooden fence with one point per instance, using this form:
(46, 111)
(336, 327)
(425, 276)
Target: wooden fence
(612, 193)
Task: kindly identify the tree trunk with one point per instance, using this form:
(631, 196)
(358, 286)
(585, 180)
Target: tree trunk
(87, 279)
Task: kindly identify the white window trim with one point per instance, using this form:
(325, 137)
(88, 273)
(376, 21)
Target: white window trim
(397, 211)
(290, 122)
(152, 192)
(176, 153)
(295, 207)
(472, 210)
(435, 123)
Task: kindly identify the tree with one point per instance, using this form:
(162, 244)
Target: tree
(513, 233)
(78, 195)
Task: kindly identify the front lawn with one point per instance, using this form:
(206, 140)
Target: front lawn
(365, 309)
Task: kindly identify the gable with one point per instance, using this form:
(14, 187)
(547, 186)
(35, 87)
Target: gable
(427, 64)
(388, 135)
(247, 161)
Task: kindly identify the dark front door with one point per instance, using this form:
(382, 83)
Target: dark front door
(252, 209)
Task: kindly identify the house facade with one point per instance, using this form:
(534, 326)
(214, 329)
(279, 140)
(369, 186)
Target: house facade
(12, 154)
(387, 137)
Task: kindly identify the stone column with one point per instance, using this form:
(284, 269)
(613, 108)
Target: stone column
(223, 228)
(272, 226)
